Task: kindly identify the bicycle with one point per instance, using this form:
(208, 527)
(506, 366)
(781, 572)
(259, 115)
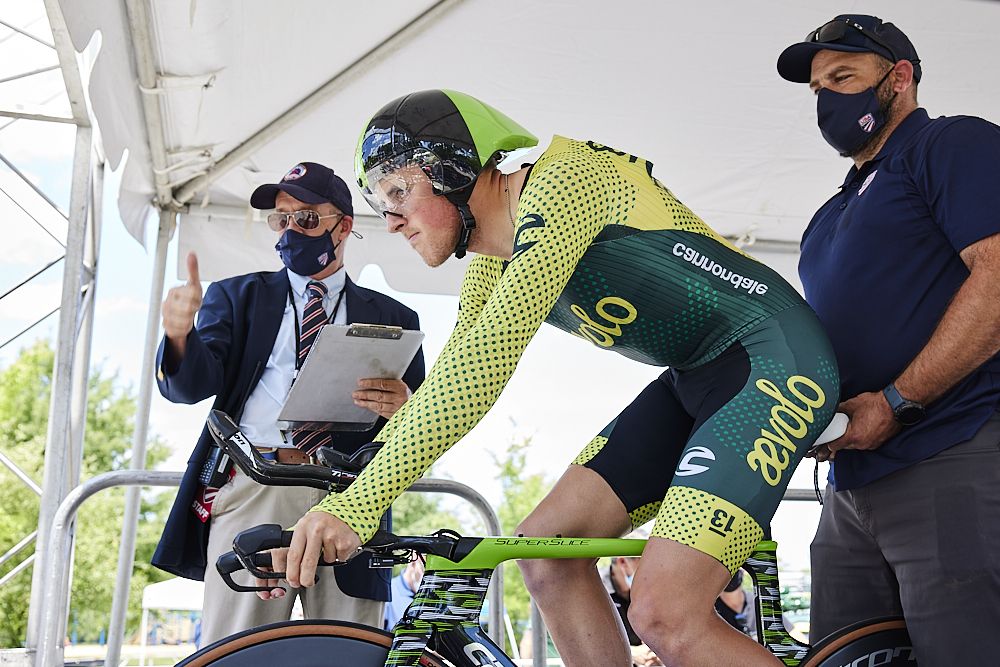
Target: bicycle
(441, 626)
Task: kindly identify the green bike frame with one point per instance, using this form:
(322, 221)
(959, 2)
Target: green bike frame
(444, 614)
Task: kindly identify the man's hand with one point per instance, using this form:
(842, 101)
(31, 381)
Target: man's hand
(277, 565)
(318, 534)
(643, 656)
(871, 424)
(381, 395)
(180, 307)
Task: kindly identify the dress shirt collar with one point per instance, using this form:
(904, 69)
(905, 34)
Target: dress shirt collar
(334, 283)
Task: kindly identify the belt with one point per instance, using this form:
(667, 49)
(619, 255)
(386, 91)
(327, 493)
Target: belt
(286, 455)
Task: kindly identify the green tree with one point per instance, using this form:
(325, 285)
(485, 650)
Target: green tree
(25, 388)
(520, 495)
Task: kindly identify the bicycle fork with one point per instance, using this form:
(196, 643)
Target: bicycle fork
(444, 617)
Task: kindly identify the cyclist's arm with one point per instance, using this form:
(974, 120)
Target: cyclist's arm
(467, 379)
(481, 277)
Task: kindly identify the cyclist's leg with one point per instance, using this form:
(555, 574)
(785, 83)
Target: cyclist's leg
(759, 406)
(618, 481)
(673, 610)
(576, 608)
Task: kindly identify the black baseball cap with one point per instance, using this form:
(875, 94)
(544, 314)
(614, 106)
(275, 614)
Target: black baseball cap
(853, 33)
(309, 182)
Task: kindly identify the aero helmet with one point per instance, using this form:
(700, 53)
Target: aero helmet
(448, 136)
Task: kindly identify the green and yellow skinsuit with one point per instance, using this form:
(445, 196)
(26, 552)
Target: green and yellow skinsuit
(603, 251)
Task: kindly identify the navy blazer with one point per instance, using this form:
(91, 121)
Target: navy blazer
(225, 356)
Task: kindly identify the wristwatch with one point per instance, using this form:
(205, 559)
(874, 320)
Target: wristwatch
(905, 411)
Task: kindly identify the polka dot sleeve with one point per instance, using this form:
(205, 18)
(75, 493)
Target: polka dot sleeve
(481, 277)
(561, 210)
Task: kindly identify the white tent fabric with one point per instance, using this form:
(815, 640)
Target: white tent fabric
(175, 594)
(691, 86)
(172, 595)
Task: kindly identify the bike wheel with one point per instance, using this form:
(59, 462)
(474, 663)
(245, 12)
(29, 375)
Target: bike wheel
(312, 643)
(881, 641)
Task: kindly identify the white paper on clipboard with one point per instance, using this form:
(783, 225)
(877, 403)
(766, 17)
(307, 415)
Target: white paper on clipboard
(338, 358)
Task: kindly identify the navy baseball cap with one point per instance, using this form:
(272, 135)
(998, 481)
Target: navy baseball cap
(309, 182)
(853, 33)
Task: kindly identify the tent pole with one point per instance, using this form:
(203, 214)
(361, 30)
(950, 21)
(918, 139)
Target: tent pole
(81, 370)
(126, 551)
(142, 640)
(58, 445)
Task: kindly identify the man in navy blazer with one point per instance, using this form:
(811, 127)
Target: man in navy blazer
(243, 351)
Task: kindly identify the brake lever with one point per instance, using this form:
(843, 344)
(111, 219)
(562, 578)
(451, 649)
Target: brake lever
(229, 562)
(265, 537)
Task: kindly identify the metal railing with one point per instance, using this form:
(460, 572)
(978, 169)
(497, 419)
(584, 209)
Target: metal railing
(56, 595)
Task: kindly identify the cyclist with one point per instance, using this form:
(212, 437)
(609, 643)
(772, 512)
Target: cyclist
(589, 241)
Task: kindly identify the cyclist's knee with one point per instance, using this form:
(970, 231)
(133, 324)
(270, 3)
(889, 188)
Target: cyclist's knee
(663, 621)
(544, 576)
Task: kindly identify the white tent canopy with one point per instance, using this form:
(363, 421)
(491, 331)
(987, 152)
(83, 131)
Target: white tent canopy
(690, 86)
(211, 98)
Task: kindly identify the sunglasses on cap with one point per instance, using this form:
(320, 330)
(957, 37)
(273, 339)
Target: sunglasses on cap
(836, 29)
(305, 219)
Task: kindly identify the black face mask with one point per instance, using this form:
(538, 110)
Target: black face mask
(849, 120)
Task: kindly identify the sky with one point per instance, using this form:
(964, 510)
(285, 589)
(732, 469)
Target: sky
(563, 393)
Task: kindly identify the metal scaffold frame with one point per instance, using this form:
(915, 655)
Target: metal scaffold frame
(67, 410)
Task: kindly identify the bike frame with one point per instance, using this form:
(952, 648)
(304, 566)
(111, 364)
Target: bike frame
(444, 614)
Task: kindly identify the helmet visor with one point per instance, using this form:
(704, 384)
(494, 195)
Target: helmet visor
(396, 184)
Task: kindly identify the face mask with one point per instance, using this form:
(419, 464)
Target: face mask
(305, 255)
(848, 120)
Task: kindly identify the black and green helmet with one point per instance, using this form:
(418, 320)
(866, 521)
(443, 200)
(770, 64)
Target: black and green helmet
(450, 136)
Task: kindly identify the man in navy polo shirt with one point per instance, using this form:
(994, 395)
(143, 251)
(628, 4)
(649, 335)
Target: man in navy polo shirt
(902, 267)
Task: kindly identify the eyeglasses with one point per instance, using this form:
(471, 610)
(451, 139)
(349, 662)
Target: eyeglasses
(305, 219)
(835, 30)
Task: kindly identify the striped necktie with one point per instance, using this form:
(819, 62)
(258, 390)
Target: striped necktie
(313, 318)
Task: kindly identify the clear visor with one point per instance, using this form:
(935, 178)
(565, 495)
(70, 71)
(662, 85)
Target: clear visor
(397, 184)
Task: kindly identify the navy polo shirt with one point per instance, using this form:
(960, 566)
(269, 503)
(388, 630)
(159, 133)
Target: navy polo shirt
(880, 263)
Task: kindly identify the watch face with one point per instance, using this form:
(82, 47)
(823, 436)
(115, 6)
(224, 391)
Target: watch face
(909, 414)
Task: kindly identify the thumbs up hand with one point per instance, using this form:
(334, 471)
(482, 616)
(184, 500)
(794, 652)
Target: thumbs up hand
(181, 305)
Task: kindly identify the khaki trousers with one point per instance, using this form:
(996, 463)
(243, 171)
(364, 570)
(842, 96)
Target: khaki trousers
(242, 504)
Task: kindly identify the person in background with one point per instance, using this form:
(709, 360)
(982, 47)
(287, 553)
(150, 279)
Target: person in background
(403, 587)
(252, 333)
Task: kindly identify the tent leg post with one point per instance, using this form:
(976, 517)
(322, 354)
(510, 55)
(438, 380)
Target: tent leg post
(126, 551)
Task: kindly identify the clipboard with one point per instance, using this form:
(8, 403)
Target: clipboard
(339, 357)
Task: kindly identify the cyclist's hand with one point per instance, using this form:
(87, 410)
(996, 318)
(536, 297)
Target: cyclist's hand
(381, 395)
(277, 565)
(871, 424)
(318, 534)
